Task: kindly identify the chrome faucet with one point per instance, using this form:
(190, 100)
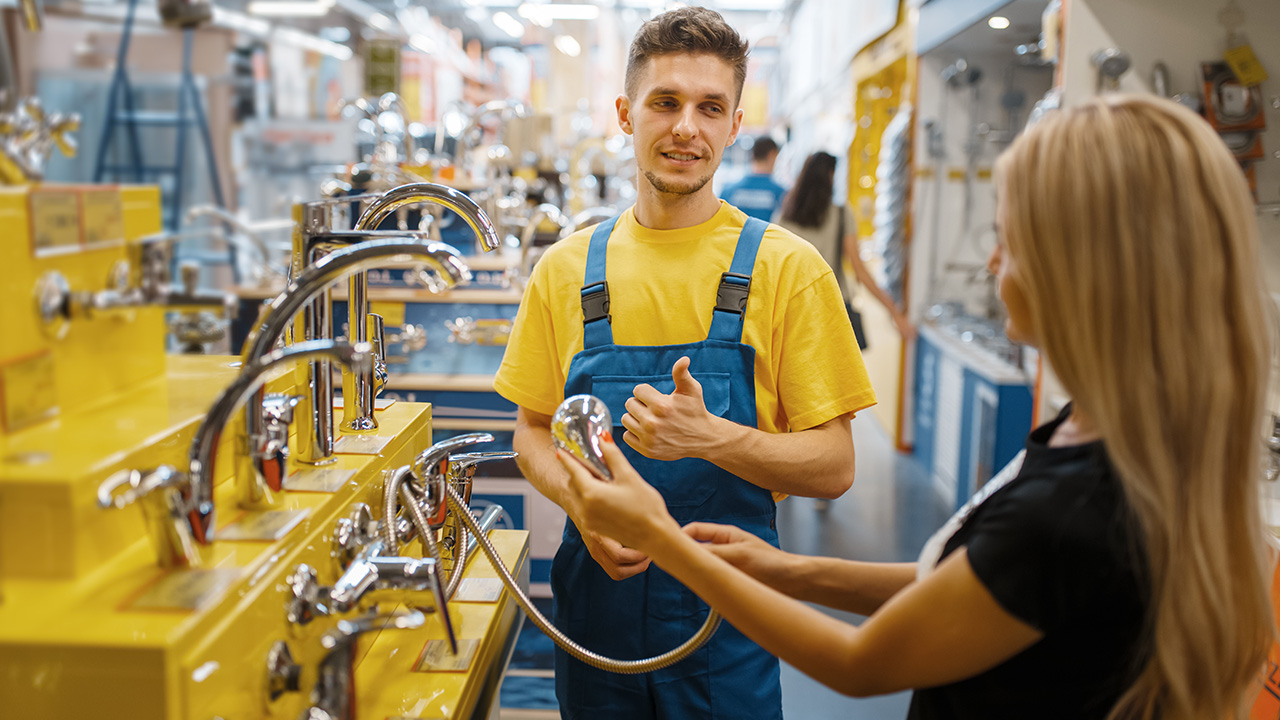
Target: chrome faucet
(358, 388)
(179, 505)
(335, 693)
(314, 441)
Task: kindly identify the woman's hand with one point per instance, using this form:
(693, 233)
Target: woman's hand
(627, 509)
(746, 552)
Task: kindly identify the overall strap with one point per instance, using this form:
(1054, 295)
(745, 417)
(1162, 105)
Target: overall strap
(596, 329)
(735, 285)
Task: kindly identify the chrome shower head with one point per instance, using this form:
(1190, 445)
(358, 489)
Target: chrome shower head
(579, 426)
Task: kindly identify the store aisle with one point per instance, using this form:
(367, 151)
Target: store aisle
(886, 516)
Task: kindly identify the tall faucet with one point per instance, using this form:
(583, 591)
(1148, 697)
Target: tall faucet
(316, 434)
(358, 388)
(315, 236)
(179, 505)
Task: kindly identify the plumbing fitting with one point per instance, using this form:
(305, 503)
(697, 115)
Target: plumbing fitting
(179, 504)
(314, 442)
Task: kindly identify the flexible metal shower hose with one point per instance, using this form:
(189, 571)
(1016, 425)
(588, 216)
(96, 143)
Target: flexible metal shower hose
(623, 667)
(396, 484)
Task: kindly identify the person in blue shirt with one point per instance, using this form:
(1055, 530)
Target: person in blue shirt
(757, 194)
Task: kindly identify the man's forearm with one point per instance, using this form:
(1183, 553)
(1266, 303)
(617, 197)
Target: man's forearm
(817, 462)
(538, 463)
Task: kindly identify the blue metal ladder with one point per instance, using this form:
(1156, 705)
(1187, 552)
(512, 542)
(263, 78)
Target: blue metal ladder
(121, 94)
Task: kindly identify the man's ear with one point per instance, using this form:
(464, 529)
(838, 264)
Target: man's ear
(737, 125)
(623, 106)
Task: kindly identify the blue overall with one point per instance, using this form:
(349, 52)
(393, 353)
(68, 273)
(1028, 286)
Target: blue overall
(648, 614)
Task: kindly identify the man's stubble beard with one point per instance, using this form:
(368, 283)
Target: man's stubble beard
(663, 186)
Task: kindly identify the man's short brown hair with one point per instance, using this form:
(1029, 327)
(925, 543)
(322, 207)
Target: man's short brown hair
(692, 30)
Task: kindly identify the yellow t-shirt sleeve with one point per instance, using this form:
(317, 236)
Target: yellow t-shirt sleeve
(821, 375)
(530, 375)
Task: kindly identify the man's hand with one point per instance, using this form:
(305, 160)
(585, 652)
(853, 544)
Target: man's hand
(669, 427)
(619, 562)
(744, 551)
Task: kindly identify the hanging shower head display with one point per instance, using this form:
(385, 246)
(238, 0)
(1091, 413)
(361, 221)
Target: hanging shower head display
(1111, 63)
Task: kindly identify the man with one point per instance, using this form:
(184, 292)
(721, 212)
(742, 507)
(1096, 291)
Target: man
(757, 194)
(718, 408)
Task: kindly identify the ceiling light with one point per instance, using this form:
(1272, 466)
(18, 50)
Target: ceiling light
(544, 14)
(567, 45)
(422, 43)
(289, 8)
(240, 22)
(378, 21)
(301, 39)
(997, 22)
(508, 24)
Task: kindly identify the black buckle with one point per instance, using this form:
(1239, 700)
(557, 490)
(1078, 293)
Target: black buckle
(731, 297)
(595, 302)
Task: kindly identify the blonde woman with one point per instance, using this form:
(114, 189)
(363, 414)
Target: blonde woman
(1119, 570)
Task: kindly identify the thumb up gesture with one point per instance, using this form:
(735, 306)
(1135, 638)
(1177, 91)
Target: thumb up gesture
(669, 427)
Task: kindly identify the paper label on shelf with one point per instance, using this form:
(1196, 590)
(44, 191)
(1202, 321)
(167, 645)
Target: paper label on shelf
(187, 589)
(55, 221)
(482, 590)
(269, 525)
(318, 480)
(28, 391)
(437, 657)
(1245, 65)
(103, 217)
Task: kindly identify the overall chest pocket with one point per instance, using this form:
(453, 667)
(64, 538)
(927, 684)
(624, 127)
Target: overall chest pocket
(686, 483)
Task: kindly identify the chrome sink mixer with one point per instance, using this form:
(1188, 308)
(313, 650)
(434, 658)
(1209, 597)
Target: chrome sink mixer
(179, 504)
(420, 500)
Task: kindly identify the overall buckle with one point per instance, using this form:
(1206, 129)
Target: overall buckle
(731, 297)
(595, 302)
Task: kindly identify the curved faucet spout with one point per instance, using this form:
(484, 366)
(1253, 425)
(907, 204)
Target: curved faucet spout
(307, 287)
(442, 258)
(251, 378)
(395, 198)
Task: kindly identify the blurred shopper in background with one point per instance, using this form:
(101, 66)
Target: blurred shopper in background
(809, 212)
(1117, 568)
(757, 194)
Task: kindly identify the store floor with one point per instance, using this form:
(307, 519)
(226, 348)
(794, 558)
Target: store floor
(887, 516)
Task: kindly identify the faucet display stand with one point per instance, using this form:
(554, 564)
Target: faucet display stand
(90, 624)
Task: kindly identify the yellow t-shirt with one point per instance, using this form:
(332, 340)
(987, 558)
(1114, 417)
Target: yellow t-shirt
(662, 289)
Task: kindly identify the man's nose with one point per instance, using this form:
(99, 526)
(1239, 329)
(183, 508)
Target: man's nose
(685, 127)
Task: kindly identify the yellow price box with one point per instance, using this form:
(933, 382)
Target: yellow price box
(55, 221)
(103, 217)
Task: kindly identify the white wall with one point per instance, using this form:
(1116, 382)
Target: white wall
(945, 231)
(1182, 34)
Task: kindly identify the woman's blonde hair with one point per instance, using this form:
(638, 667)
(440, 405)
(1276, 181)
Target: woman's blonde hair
(1136, 244)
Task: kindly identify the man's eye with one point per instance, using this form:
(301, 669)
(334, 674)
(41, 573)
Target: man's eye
(715, 109)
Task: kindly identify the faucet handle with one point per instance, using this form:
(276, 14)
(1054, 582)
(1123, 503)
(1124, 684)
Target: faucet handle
(125, 487)
(462, 469)
(378, 337)
(347, 630)
(465, 463)
(173, 515)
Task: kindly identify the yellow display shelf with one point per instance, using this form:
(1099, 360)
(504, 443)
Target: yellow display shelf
(90, 624)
